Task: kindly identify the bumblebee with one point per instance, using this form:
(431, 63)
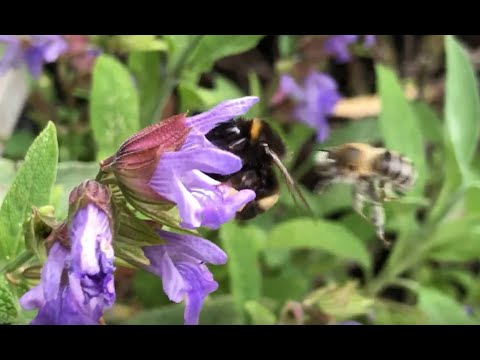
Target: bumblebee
(260, 148)
(377, 175)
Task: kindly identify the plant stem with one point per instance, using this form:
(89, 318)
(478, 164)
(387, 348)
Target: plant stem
(19, 261)
(172, 79)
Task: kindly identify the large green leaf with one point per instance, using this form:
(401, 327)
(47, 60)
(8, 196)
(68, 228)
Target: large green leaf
(288, 283)
(8, 303)
(457, 240)
(319, 234)
(194, 97)
(146, 68)
(441, 309)
(429, 122)
(32, 186)
(215, 47)
(242, 244)
(365, 130)
(462, 107)
(398, 123)
(114, 111)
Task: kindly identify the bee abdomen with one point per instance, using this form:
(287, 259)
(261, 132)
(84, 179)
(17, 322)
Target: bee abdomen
(396, 168)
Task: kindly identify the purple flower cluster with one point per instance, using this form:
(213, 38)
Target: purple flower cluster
(77, 284)
(338, 45)
(32, 50)
(314, 100)
(168, 161)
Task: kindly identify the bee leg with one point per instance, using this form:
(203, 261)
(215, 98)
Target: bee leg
(383, 189)
(359, 198)
(378, 220)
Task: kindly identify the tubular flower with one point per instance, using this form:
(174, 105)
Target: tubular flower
(167, 162)
(180, 262)
(76, 283)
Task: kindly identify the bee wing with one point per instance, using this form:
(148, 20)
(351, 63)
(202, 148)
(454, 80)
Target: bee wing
(288, 179)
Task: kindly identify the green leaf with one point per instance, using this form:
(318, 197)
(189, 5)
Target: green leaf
(288, 284)
(255, 90)
(215, 47)
(365, 130)
(194, 97)
(259, 314)
(457, 240)
(32, 186)
(114, 111)
(8, 303)
(452, 183)
(341, 302)
(140, 43)
(319, 234)
(398, 123)
(462, 107)
(177, 45)
(145, 66)
(429, 122)
(242, 243)
(219, 310)
(441, 309)
(394, 313)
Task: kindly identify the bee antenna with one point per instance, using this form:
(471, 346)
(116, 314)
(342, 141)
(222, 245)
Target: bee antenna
(291, 184)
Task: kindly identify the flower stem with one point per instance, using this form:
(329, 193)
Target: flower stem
(407, 260)
(19, 261)
(172, 79)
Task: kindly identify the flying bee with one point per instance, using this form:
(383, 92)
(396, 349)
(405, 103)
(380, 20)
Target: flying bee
(377, 175)
(260, 148)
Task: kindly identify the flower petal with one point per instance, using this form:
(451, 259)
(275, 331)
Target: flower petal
(200, 283)
(369, 41)
(33, 298)
(52, 271)
(162, 265)
(209, 160)
(13, 53)
(89, 229)
(167, 184)
(194, 246)
(224, 207)
(291, 88)
(34, 61)
(224, 111)
(56, 46)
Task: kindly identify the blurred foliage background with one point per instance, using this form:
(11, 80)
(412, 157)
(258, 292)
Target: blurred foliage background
(412, 93)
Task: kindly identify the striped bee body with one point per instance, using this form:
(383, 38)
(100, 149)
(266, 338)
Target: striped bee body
(377, 175)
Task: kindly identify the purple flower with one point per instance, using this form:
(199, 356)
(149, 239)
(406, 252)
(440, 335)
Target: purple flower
(338, 45)
(315, 100)
(168, 161)
(180, 262)
(76, 285)
(33, 50)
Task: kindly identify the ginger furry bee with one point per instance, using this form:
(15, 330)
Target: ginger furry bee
(377, 175)
(260, 148)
